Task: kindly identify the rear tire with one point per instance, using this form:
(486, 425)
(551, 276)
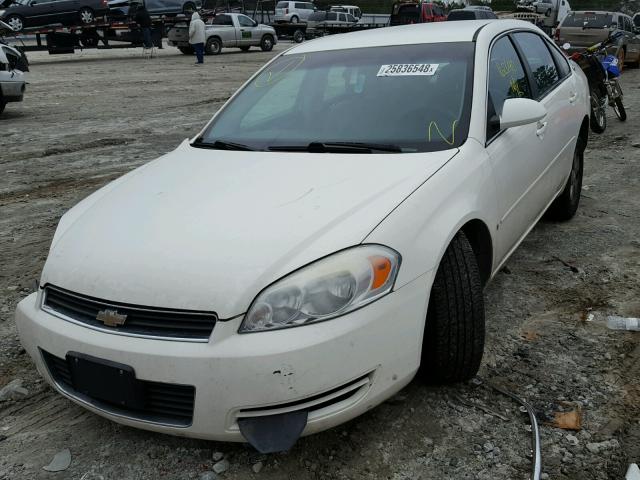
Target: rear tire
(453, 341)
(213, 46)
(598, 117)
(295, 19)
(565, 206)
(298, 36)
(87, 17)
(618, 107)
(266, 44)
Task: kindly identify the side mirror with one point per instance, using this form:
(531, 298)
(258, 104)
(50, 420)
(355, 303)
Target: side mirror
(521, 111)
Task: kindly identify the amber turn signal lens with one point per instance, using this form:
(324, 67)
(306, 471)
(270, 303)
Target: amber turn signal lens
(381, 270)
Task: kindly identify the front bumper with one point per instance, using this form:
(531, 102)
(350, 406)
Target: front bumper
(13, 91)
(376, 348)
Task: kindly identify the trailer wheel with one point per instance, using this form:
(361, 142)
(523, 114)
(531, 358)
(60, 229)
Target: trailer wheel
(213, 46)
(15, 22)
(86, 16)
(298, 36)
(267, 43)
(187, 50)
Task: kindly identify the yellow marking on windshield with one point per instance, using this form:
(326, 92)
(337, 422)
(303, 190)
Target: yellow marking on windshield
(454, 124)
(272, 76)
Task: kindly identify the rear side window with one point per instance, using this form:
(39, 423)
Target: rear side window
(223, 20)
(537, 55)
(507, 79)
(282, 5)
(561, 61)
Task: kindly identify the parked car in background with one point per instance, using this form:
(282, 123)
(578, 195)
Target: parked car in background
(350, 9)
(582, 29)
(293, 12)
(545, 7)
(470, 14)
(407, 12)
(13, 65)
(319, 22)
(324, 239)
(20, 14)
(227, 30)
(118, 8)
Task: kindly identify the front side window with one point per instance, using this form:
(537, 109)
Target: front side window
(507, 79)
(245, 21)
(414, 97)
(537, 55)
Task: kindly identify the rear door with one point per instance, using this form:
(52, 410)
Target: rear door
(554, 86)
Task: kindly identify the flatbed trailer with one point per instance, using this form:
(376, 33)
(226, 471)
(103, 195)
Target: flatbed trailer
(58, 38)
(298, 32)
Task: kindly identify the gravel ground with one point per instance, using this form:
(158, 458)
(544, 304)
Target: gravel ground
(91, 117)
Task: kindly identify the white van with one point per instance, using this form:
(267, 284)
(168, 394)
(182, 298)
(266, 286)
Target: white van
(293, 12)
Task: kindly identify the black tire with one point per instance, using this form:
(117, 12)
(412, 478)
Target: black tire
(245, 48)
(618, 107)
(188, 7)
(213, 46)
(266, 44)
(598, 117)
(16, 22)
(298, 36)
(565, 206)
(453, 341)
(295, 19)
(86, 15)
(187, 50)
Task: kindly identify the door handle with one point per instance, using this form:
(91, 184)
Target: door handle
(541, 128)
(573, 97)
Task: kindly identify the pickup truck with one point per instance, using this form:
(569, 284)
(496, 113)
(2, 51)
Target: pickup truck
(226, 30)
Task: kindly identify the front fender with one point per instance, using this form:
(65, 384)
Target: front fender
(422, 226)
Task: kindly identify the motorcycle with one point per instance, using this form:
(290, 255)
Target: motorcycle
(602, 72)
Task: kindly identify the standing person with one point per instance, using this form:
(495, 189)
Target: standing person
(196, 36)
(143, 19)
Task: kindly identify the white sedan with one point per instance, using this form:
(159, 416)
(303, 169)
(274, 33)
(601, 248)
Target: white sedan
(325, 238)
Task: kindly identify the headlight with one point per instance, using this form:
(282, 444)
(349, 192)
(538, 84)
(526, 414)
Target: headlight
(325, 289)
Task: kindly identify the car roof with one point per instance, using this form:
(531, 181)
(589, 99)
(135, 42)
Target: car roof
(434, 32)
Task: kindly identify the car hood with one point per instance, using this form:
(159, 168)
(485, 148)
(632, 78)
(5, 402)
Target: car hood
(208, 229)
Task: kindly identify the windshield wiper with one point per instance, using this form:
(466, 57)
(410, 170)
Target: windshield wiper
(338, 147)
(221, 145)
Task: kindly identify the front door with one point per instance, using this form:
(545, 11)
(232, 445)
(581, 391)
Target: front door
(248, 33)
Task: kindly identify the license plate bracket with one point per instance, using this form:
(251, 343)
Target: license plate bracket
(104, 380)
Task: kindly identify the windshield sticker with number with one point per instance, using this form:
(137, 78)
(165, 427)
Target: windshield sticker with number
(407, 69)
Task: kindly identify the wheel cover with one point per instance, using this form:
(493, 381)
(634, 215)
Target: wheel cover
(86, 16)
(15, 23)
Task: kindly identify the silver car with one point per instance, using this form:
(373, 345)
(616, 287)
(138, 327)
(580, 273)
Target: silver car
(13, 65)
(227, 30)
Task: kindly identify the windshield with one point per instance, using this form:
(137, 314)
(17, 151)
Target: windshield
(462, 15)
(415, 97)
(588, 19)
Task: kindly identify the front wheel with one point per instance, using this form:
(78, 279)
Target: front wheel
(213, 46)
(87, 16)
(618, 107)
(267, 43)
(453, 340)
(598, 118)
(566, 205)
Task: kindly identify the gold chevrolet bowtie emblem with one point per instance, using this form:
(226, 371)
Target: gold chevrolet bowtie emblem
(111, 318)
